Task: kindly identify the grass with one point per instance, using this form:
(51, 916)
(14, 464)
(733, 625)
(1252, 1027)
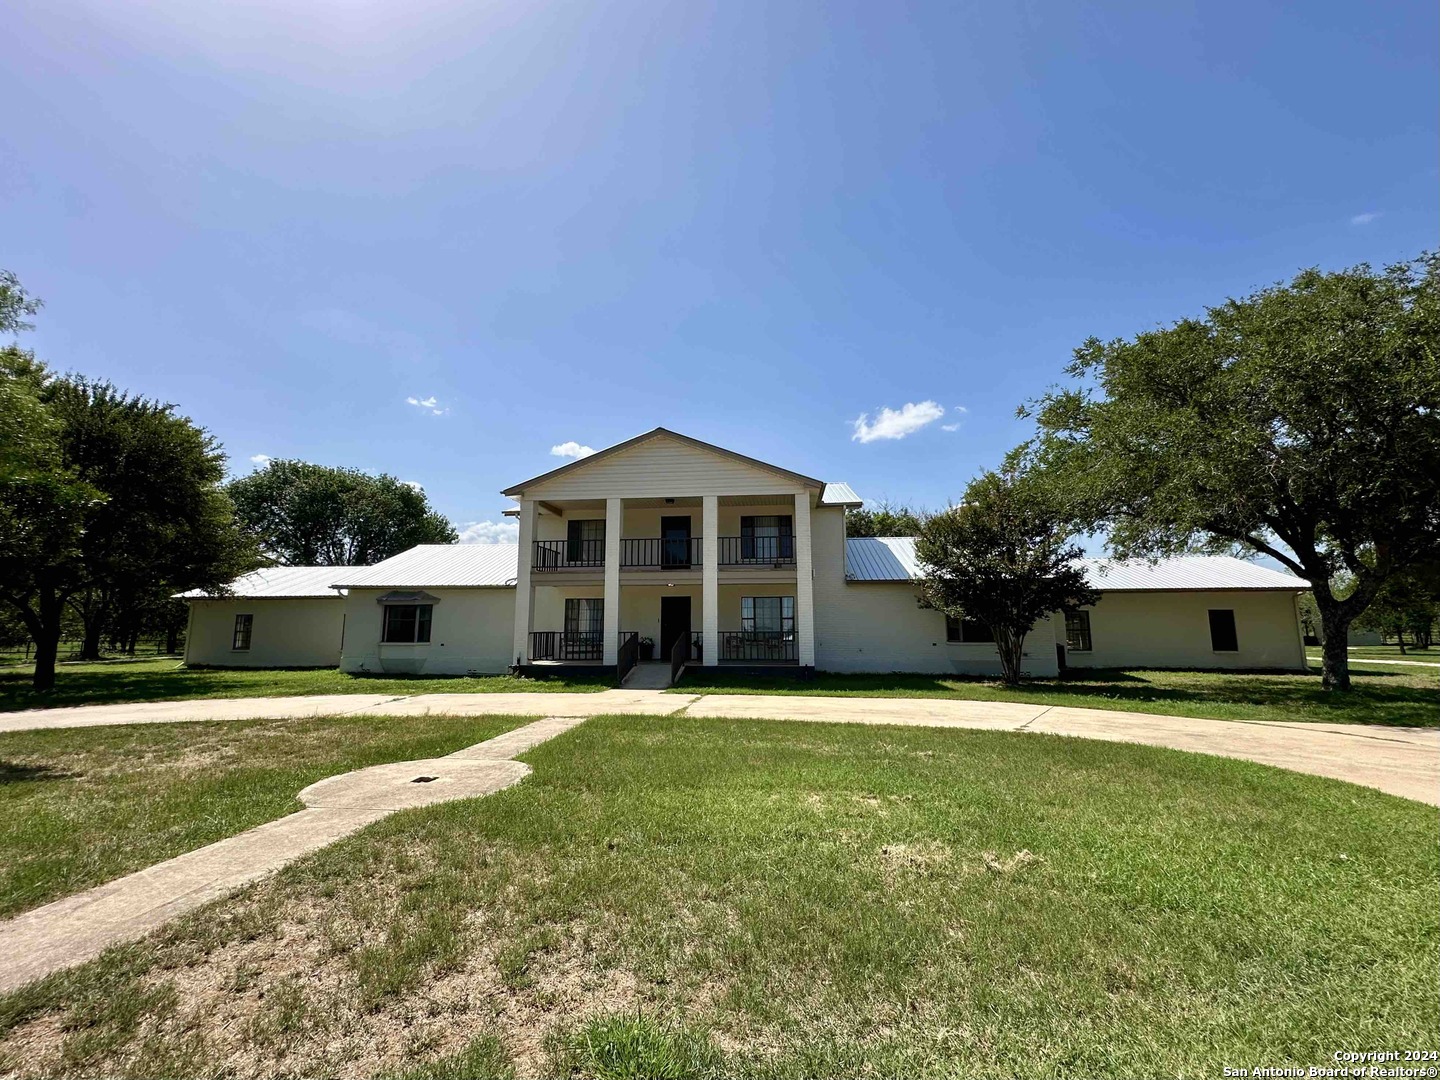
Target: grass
(80, 807)
(168, 680)
(1360, 653)
(1382, 694)
(677, 898)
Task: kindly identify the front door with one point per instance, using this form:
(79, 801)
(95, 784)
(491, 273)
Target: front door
(674, 623)
(675, 541)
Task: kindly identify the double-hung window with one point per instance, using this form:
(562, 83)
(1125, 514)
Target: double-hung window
(766, 616)
(240, 640)
(407, 624)
(1077, 630)
(767, 538)
(967, 631)
(585, 542)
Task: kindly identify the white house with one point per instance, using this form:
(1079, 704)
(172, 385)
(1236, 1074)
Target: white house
(722, 560)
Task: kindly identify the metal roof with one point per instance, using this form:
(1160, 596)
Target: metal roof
(840, 495)
(278, 582)
(439, 566)
(892, 558)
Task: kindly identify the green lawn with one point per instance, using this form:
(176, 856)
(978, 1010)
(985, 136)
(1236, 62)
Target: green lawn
(169, 680)
(80, 807)
(701, 898)
(1380, 694)
(1360, 653)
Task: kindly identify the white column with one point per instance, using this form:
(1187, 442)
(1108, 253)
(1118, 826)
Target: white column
(614, 521)
(522, 581)
(710, 580)
(804, 581)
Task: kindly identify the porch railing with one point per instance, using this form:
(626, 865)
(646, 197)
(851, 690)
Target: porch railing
(757, 551)
(627, 656)
(679, 657)
(566, 645)
(560, 554)
(663, 553)
(759, 646)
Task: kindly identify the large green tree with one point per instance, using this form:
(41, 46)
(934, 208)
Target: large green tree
(164, 525)
(885, 519)
(1301, 422)
(315, 515)
(1003, 557)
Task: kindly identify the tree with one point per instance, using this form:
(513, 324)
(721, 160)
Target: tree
(1408, 603)
(315, 515)
(1302, 422)
(1003, 557)
(885, 519)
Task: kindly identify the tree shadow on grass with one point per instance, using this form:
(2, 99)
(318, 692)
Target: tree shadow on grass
(15, 772)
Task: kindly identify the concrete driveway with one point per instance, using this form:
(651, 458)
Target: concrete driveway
(1400, 761)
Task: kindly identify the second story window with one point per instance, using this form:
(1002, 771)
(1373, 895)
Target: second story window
(585, 542)
(767, 538)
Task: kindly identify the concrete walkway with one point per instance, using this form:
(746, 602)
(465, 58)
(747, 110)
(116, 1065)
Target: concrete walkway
(1401, 761)
(79, 928)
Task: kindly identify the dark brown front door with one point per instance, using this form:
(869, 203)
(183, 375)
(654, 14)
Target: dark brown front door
(674, 623)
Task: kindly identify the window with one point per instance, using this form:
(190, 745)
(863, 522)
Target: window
(241, 639)
(967, 631)
(407, 624)
(1222, 631)
(767, 614)
(1077, 631)
(584, 615)
(585, 542)
(769, 538)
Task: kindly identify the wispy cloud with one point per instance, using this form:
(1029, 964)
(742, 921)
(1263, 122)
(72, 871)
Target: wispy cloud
(436, 409)
(949, 427)
(260, 460)
(1365, 218)
(505, 531)
(896, 423)
(571, 449)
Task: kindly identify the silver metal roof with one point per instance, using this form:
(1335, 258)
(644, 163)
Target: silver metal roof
(892, 558)
(279, 582)
(839, 495)
(434, 566)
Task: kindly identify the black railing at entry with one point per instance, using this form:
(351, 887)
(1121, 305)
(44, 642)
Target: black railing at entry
(759, 646)
(627, 656)
(562, 645)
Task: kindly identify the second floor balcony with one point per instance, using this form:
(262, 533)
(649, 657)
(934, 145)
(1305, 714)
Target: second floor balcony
(664, 553)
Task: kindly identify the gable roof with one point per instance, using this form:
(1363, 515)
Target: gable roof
(892, 558)
(438, 566)
(280, 582)
(840, 495)
(609, 451)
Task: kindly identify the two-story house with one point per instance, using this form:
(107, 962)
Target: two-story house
(670, 548)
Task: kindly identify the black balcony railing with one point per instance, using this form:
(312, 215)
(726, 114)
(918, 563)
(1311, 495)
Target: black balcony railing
(566, 645)
(559, 554)
(627, 656)
(759, 646)
(662, 553)
(757, 551)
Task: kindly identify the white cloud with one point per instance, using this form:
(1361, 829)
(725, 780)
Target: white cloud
(414, 484)
(428, 403)
(961, 409)
(896, 423)
(571, 449)
(260, 460)
(505, 531)
(949, 427)
(1365, 218)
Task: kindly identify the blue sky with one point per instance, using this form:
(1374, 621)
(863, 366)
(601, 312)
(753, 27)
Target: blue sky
(750, 222)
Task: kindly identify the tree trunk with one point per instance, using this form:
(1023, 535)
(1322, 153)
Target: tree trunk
(90, 641)
(1400, 640)
(44, 625)
(172, 639)
(1010, 646)
(1334, 650)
